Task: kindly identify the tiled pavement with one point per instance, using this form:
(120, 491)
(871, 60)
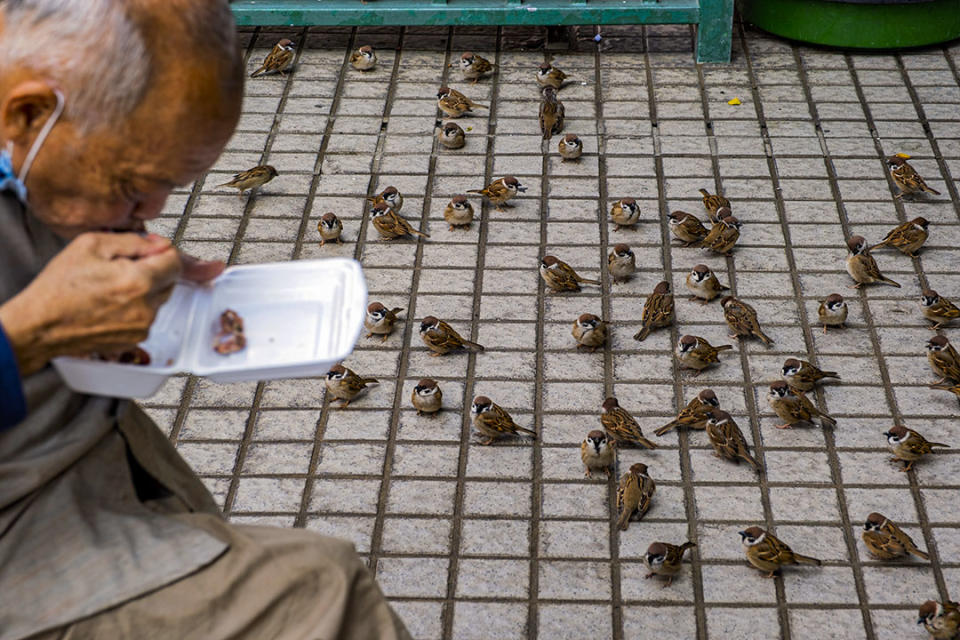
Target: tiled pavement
(510, 541)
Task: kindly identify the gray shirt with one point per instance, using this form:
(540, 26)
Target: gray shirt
(78, 478)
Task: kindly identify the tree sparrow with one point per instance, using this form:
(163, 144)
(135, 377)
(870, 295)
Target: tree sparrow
(943, 359)
(363, 59)
(458, 212)
(621, 263)
(767, 553)
(493, 422)
(664, 559)
(441, 339)
(380, 320)
(501, 190)
(278, 59)
(953, 388)
(862, 267)
(597, 453)
(793, 407)
(712, 203)
(570, 147)
(833, 312)
(251, 178)
(451, 136)
(472, 66)
(687, 228)
(802, 375)
(695, 414)
(908, 446)
(560, 276)
(696, 353)
(625, 212)
(657, 311)
(550, 76)
(886, 541)
(391, 196)
(455, 104)
(330, 228)
(906, 177)
(727, 439)
(345, 385)
(937, 310)
(723, 236)
(426, 397)
(907, 237)
(942, 621)
(390, 225)
(621, 426)
(589, 331)
(742, 319)
(551, 113)
(634, 495)
(703, 284)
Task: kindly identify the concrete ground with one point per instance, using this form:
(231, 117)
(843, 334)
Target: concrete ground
(511, 541)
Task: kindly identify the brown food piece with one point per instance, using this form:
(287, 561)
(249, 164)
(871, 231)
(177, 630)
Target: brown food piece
(230, 338)
(136, 356)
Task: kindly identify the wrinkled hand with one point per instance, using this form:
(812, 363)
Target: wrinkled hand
(100, 294)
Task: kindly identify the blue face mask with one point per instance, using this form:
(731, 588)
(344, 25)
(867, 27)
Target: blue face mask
(10, 181)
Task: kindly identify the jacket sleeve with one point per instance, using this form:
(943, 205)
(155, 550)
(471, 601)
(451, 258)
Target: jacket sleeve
(13, 405)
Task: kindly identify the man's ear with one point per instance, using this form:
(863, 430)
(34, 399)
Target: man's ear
(25, 110)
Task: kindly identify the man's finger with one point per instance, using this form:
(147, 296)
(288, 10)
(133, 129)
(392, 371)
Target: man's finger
(196, 270)
(163, 269)
(128, 245)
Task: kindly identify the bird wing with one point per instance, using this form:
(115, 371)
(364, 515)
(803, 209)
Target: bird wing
(775, 551)
(948, 363)
(657, 310)
(621, 425)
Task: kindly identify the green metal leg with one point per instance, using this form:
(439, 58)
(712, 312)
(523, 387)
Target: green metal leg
(715, 31)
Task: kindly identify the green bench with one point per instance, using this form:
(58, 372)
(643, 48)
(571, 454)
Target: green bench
(714, 18)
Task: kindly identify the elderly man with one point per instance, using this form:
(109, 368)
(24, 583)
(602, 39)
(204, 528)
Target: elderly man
(105, 106)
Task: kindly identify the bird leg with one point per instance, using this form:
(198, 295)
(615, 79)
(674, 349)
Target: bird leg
(322, 242)
(606, 470)
(772, 574)
(588, 474)
(489, 441)
(345, 403)
(385, 336)
(824, 329)
(669, 582)
(370, 335)
(648, 576)
(434, 354)
(784, 426)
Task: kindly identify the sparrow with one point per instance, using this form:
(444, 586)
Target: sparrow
(793, 407)
(687, 228)
(441, 339)
(862, 267)
(742, 319)
(713, 203)
(886, 541)
(621, 263)
(597, 453)
(277, 60)
(472, 66)
(937, 310)
(392, 197)
(570, 147)
(363, 59)
(426, 397)
(589, 331)
(906, 177)
(907, 237)
(802, 375)
(551, 113)
(703, 284)
(908, 446)
(657, 311)
(390, 225)
(943, 359)
(621, 426)
(625, 212)
(345, 385)
(767, 553)
(455, 104)
(493, 422)
(664, 559)
(727, 439)
(942, 621)
(380, 320)
(451, 136)
(501, 190)
(560, 276)
(550, 76)
(723, 236)
(695, 414)
(833, 312)
(698, 354)
(634, 495)
(251, 178)
(458, 212)
(330, 228)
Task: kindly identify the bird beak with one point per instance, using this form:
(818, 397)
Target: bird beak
(521, 188)
(743, 534)
(886, 433)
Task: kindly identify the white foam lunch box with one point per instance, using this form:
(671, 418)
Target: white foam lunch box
(300, 318)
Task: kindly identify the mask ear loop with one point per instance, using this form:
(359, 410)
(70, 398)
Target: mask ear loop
(44, 132)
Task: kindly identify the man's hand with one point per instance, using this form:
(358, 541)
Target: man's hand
(100, 294)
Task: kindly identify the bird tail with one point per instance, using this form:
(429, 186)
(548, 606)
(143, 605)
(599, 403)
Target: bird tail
(686, 545)
(939, 444)
(830, 374)
(923, 555)
(370, 381)
(764, 337)
(643, 333)
(585, 281)
(724, 347)
(806, 560)
(480, 191)
(667, 427)
(878, 245)
(226, 184)
(924, 187)
(886, 280)
(753, 461)
(827, 420)
(646, 444)
(704, 193)
(479, 106)
(532, 434)
(623, 523)
(473, 346)
(396, 310)
(258, 71)
(419, 233)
